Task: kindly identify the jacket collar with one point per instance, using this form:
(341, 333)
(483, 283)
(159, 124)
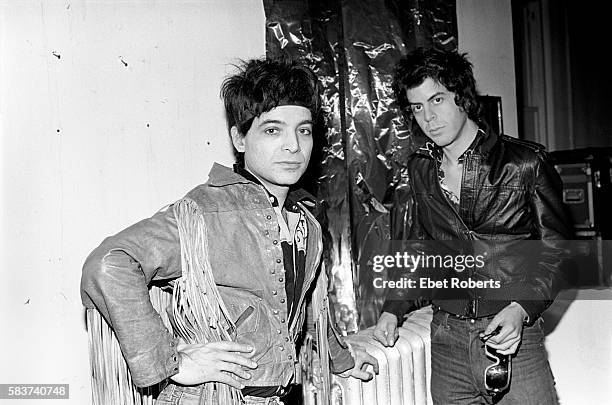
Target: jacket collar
(221, 176)
(483, 143)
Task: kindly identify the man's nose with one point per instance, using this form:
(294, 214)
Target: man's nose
(291, 142)
(429, 114)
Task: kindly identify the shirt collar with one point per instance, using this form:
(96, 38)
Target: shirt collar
(238, 169)
(483, 142)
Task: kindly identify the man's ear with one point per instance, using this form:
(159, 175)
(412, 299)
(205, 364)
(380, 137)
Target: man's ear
(237, 139)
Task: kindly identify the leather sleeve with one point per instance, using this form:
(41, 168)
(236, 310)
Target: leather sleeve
(404, 215)
(114, 281)
(341, 359)
(405, 227)
(551, 221)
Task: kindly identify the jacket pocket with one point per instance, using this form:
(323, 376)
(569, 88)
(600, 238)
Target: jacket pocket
(245, 312)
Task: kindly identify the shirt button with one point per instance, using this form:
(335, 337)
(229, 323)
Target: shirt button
(267, 232)
(278, 331)
(282, 300)
(272, 271)
(275, 311)
(282, 320)
(281, 348)
(290, 357)
(268, 217)
(286, 340)
(281, 279)
(275, 242)
(278, 260)
(274, 293)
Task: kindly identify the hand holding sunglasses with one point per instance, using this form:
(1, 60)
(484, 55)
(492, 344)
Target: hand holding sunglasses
(509, 321)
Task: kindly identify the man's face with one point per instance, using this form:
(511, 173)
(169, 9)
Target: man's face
(434, 109)
(277, 147)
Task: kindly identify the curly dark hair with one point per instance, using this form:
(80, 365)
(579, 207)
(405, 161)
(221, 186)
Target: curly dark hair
(449, 68)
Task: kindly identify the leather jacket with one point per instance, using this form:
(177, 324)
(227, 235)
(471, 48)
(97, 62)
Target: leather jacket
(246, 257)
(511, 203)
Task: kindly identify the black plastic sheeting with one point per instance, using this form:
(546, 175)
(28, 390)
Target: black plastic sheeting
(353, 46)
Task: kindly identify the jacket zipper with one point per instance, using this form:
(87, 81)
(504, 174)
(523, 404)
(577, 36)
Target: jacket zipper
(473, 303)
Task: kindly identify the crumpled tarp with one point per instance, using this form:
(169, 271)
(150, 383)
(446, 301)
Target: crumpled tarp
(353, 46)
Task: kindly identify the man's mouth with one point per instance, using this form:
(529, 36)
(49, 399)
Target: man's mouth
(290, 164)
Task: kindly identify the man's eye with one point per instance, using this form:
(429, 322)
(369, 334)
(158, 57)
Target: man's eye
(272, 131)
(305, 131)
(438, 100)
(416, 108)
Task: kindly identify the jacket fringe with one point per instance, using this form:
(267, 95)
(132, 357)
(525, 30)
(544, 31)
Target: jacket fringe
(198, 316)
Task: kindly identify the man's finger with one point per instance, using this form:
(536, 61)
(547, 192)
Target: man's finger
(512, 348)
(362, 375)
(507, 334)
(234, 369)
(495, 322)
(501, 337)
(392, 334)
(380, 336)
(504, 345)
(372, 360)
(230, 346)
(238, 359)
(509, 347)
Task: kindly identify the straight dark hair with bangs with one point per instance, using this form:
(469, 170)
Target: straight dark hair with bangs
(449, 68)
(263, 84)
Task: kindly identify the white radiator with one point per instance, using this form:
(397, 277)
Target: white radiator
(405, 369)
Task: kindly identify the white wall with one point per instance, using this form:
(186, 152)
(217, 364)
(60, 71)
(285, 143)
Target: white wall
(580, 346)
(90, 145)
(485, 33)
(62, 192)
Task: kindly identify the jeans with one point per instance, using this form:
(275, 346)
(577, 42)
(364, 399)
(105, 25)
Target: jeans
(183, 395)
(458, 361)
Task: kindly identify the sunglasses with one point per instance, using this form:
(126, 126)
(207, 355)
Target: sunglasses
(497, 375)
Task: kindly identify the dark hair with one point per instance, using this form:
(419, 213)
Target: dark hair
(448, 68)
(263, 84)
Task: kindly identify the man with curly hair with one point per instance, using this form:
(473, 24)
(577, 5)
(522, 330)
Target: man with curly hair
(475, 187)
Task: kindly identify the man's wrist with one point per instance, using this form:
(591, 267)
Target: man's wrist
(523, 312)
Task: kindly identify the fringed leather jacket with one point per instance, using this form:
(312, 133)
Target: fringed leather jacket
(246, 259)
